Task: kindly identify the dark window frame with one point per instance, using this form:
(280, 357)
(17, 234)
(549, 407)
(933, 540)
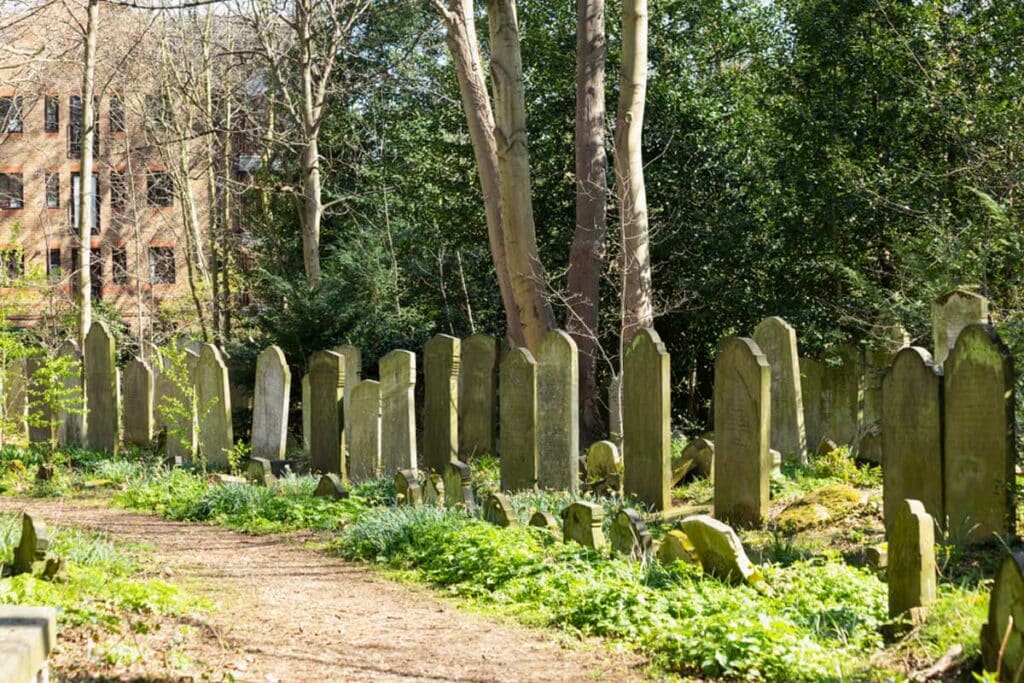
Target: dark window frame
(115, 115)
(53, 268)
(51, 114)
(53, 189)
(12, 114)
(162, 266)
(119, 265)
(159, 189)
(12, 191)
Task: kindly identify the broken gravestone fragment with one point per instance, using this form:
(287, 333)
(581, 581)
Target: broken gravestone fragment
(720, 550)
(458, 486)
(498, 510)
(30, 555)
(545, 520)
(433, 490)
(407, 488)
(629, 535)
(330, 486)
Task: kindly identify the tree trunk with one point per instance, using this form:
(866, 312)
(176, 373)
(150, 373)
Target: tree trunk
(586, 256)
(312, 211)
(637, 305)
(525, 269)
(85, 198)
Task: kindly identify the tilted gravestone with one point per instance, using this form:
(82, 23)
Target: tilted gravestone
(545, 520)
(478, 395)
(326, 397)
(38, 411)
(183, 435)
(701, 452)
(138, 403)
(330, 486)
(911, 559)
(498, 510)
(407, 489)
(34, 543)
(812, 383)
(213, 397)
(364, 432)
(16, 397)
(646, 426)
(458, 486)
(719, 549)
(777, 340)
(441, 356)
(602, 460)
(979, 436)
(69, 431)
(433, 490)
(912, 434)
(307, 412)
(271, 397)
(102, 418)
(629, 535)
(742, 405)
(398, 411)
(583, 522)
(558, 432)
(951, 313)
(677, 547)
(518, 421)
(841, 395)
(1002, 636)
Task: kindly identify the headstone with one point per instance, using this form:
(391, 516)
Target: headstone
(271, 397)
(545, 520)
(69, 432)
(433, 490)
(841, 394)
(719, 549)
(701, 452)
(777, 340)
(326, 395)
(213, 397)
(35, 541)
(583, 523)
(478, 391)
(812, 384)
(518, 421)
(629, 535)
(458, 486)
(602, 460)
(307, 412)
(353, 376)
(886, 341)
(102, 419)
(259, 473)
(183, 437)
(398, 411)
(911, 434)
(39, 412)
(979, 436)
(646, 416)
(407, 489)
(676, 547)
(742, 405)
(1002, 636)
(440, 401)
(498, 510)
(16, 397)
(951, 313)
(911, 559)
(330, 486)
(558, 438)
(364, 433)
(138, 403)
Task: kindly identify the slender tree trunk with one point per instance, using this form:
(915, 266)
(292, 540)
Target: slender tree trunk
(525, 269)
(586, 256)
(312, 210)
(637, 304)
(85, 191)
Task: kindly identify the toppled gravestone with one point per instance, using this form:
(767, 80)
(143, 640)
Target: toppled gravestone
(677, 547)
(719, 550)
(31, 556)
(330, 486)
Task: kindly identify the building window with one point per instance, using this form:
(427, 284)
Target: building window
(12, 261)
(53, 264)
(161, 265)
(52, 190)
(11, 119)
(159, 189)
(51, 114)
(118, 191)
(76, 129)
(96, 274)
(116, 115)
(76, 188)
(119, 264)
(12, 193)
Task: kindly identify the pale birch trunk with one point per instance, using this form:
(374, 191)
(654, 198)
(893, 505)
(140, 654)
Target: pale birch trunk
(312, 210)
(85, 193)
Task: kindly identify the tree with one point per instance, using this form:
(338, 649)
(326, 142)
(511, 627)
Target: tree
(85, 195)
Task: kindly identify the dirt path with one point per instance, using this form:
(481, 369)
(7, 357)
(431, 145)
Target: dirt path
(285, 613)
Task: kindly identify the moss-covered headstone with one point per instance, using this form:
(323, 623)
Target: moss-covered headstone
(583, 522)
(327, 433)
(478, 396)
(777, 340)
(646, 421)
(407, 489)
(498, 510)
(458, 486)
(911, 559)
(441, 358)
(558, 440)
(518, 421)
(629, 535)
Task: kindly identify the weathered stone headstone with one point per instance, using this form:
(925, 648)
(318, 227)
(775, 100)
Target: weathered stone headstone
(701, 452)
(364, 433)
(841, 395)
(558, 433)
(545, 520)
(330, 486)
(951, 313)
(583, 523)
(911, 433)
(458, 486)
(326, 396)
(777, 340)
(407, 488)
(602, 460)
(39, 412)
(441, 356)
(812, 384)
(498, 510)
(518, 421)
(719, 549)
(398, 411)
(307, 412)
(271, 397)
(629, 535)
(646, 416)
(102, 419)
(353, 376)
(433, 490)
(1002, 636)
(478, 380)
(35, 541)
(742, 404)
(886, 342)
(911, 559)
(676, 547)
(979, 436)
(259, 472)
(69, 431)
(213, 397)
(138, 403)
(183, 436)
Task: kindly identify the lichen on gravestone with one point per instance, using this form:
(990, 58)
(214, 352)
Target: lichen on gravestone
(677, 547)
(720, 550)
(458, 486)
(912, 573)
(1002, 636)
(259, 473)
(583, 522)
(629, 535)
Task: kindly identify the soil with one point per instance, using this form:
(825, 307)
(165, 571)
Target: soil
(283, 612)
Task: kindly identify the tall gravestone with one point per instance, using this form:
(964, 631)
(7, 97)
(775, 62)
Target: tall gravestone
(979, 435)
(1002, 635)
(39, 413)
(353, 375)
(69, 431)
(138, 403)
(183, 423)
(777, 341)
(742, 404)
(951, 313)
(912, 434)
(327, 407)
(478, 396)
(307, 411)
(102, 419)
(518, 421)
(812, 383)
(398, 411)
(270, 404)
(213, 397)
(441, 356)
(911, 559)
(558, 428)
(364, 437)
(886, 341)
(646, 421)
(841, 394)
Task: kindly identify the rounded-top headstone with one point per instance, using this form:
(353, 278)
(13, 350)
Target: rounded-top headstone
(777, 340)
(519, 450)
(951, 313)
(270, 404)
(646, 420)
(558, 438)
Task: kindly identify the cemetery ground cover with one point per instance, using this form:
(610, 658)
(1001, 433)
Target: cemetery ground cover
(817, 615)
